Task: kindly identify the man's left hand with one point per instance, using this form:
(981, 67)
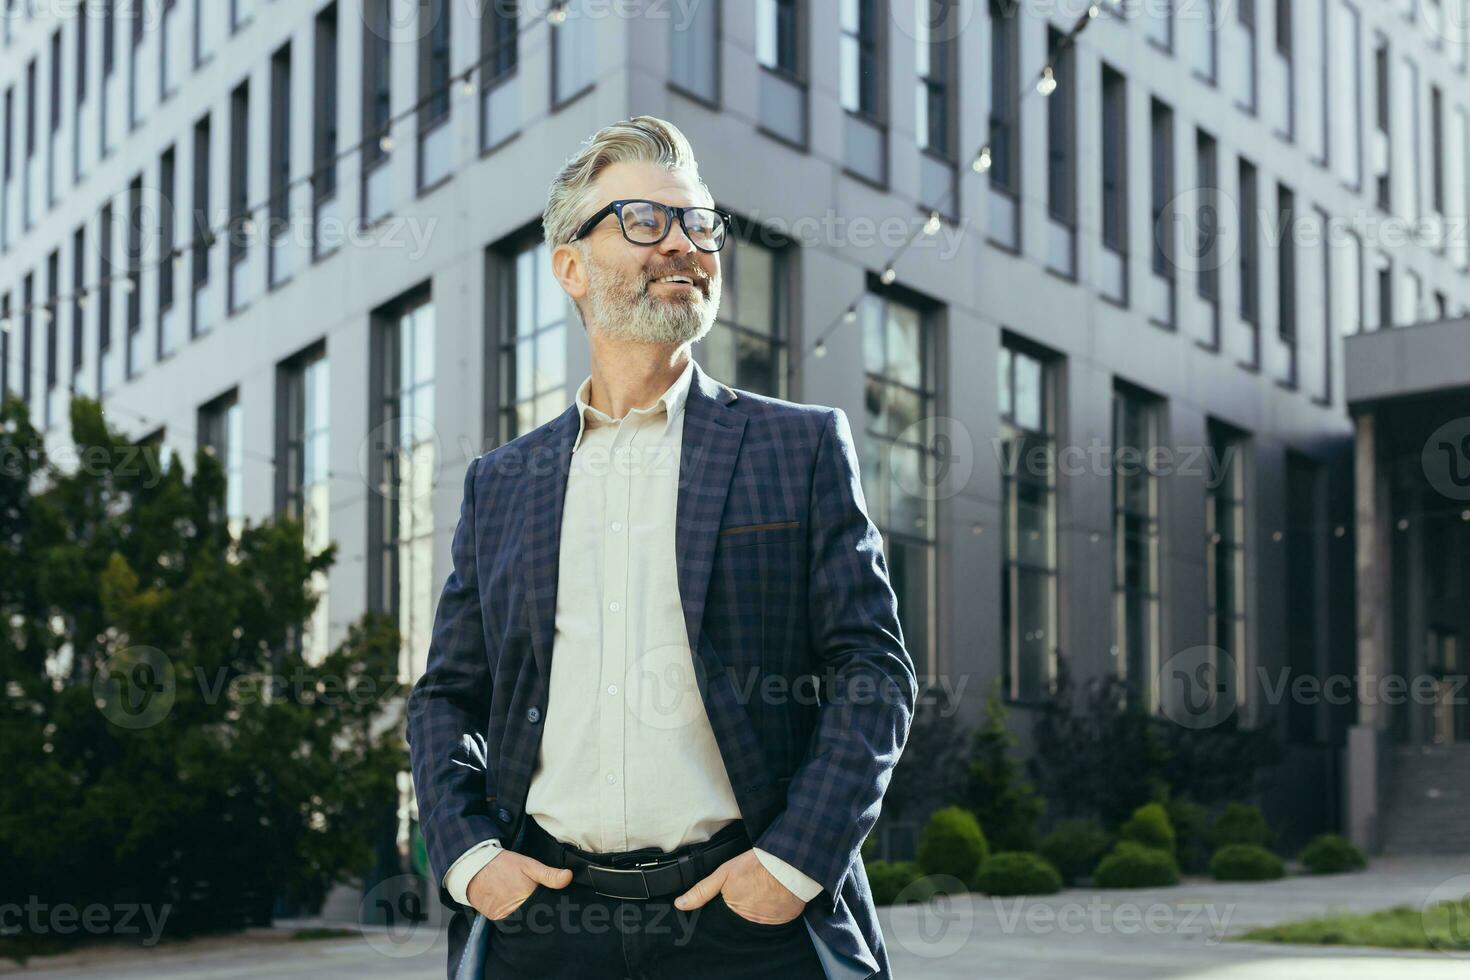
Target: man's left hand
(749, 889)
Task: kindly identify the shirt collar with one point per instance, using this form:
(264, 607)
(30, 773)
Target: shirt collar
(671, 402)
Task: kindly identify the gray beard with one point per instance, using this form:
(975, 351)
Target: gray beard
(623, 310)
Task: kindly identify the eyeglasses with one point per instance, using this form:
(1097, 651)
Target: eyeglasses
(648, 223)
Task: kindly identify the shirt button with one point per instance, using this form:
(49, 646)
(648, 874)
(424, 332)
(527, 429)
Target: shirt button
(612, 689)
(614, 605)
(611, 778)
(616, 525)
(533, 714)
(503, 814)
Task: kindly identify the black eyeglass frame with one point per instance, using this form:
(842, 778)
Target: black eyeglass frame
(670, 211)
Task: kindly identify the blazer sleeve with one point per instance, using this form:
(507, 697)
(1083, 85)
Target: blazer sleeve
(449, 710)
(864, 716)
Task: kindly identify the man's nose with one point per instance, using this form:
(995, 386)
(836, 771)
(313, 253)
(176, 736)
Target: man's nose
(676, 242)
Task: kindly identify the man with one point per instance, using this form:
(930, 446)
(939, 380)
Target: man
(666, 684)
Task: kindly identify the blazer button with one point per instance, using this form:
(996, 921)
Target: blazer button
(503, 814)
(533, 714)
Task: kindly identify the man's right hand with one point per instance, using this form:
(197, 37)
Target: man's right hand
(499, 888)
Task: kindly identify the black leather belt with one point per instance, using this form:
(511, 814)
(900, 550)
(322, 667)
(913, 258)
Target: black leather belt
(641, 874)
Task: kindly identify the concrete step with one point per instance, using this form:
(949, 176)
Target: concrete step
(1427, 809)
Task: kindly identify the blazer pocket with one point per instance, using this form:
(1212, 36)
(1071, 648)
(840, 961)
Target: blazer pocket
(732, 532)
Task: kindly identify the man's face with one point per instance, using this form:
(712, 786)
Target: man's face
(626, 292)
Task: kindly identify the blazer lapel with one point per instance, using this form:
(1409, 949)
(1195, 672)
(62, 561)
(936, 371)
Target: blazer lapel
(710, 447)
(546, 492)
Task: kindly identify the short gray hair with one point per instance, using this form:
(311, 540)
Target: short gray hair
(641, 139)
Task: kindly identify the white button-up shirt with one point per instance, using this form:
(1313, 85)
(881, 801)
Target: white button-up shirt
(627, 758)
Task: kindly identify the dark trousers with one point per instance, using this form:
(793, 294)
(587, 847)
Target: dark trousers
(574, 932)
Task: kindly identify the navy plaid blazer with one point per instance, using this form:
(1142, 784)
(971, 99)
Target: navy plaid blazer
(791, 618)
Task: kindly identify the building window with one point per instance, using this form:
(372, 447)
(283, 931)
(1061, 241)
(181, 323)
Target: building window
(1225, 526)
(694, 51)
(1207, 220)
(779, 52)
(278, 251)
(133, 285)
(52, 404)
(53, 135)
(746, 347)
(207, 23)
(241, 12)
(1382, 147)
(1383, 274)
(168, 337)
(898, 456)
(1061, 157)
(79, 97)
(401, 533)
(936, 102)
(7, 164)
(573, 54)
(1250, 266)
(1348, 286)
(201, 296)
(29, 177)
(5, 347)
(1346, 93)
(221, 435)
(168, 60)
(27, 340)
(500, 109)
(533, 344)
(135, 47)
(1286, 277)
(1245, 48)
(78, 307)
(324, 134)
(1004, 131)
(1136, 543)
(860, 62)
(1029, 523)
(1161, 194)
(105, 362)
(377, 180)
(1159, 24)
(1283, 93)
(302, 479)
(1436, 152)
(1207, 45)
(109, 65)
(1114, 271)
(1414, 148)
(433, 75)
(242, 227)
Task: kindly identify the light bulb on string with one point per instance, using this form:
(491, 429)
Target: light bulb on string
(820, 350)
(931, 227)
(385, 143)
(982, 160)
(557, 15)
(889, 274)
(1047, 84)
(468, 86)
(850, 315)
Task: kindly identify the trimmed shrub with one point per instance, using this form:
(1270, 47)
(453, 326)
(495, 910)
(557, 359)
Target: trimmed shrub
(1133, 865)
(1018, 873)
(952, 843)
(889, 878)
(1191, 823)
(1241, 824)
(1328, 854)
(1075, 847)
(1150, 827)
(1246, 862)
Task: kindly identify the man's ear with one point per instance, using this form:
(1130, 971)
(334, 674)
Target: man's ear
(570, 268)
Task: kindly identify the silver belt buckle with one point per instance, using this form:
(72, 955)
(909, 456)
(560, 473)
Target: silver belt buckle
(608, 876)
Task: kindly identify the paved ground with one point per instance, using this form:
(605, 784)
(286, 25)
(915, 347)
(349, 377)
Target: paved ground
(1168, 934)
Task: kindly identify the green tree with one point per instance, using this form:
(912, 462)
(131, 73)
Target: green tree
(999, 794)
(164, 741)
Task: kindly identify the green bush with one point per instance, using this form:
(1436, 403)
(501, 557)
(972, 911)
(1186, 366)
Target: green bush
(952, 843)
(1133, 865)
(1241, 824)
(1246, 862)
(1018, 873)
(1328, 854)
(889, 878)
(1150, 827)
(1075, 847)
(1191, 823)
(996, 791)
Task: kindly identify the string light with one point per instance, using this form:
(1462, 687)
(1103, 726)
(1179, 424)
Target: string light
(850, 315)
(982, 160)
(931, 227)
(557, 15)
(1047, 84)
(820, 350)
(889, 274)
